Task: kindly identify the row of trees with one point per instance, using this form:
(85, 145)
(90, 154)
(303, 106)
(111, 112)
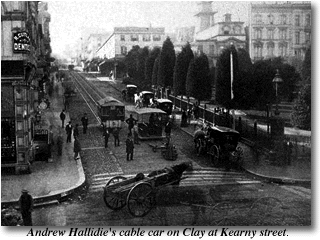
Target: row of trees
(185, 73)
(189, 74)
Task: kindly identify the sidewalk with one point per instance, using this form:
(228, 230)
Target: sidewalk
(48, 181)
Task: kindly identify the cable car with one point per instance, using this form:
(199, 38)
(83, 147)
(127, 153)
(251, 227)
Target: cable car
(111, 112)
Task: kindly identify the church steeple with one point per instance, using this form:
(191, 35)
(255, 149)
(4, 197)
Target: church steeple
(205, 15)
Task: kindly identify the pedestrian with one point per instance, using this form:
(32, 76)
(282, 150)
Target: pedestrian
(76, 148)
(62, 117)
(69, 131)
(129, 147)
(131, 122)
(115, 133)
(167, 129)
(26, 207)
(76, 131)
(84, 121)
(184, 119)
(189, 113)
(106, 135)
(196, 110)
(135, 134)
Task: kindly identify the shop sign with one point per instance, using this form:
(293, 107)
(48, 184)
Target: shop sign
(21, 42)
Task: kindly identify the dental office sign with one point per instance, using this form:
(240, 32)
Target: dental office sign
(21, 42)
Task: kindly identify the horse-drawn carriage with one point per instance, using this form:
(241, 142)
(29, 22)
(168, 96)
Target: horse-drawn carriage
(129, 92)
(139, 192)
(221, 143)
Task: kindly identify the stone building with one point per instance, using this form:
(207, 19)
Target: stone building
(279, 29)
(121, 41)
(25, 52)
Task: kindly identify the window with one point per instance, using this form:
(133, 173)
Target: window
(270, 33)
(297, 38)
(146, 37)
(258, 33)
(258, 51)
(123, 50)
(134, 37)
(283, 19)
(226, 30)
(156, 37)
(283, 50)
(122, 37)
(237, 30)
(297, 20)
(283, 34)
(308, 20)
(211, 49)
(308, 37)
(297, 52)
(16, 6)
(270, 50)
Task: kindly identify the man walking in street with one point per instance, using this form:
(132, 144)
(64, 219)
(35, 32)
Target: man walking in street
(76, 148)
(84, 121)
(26, 207)
(62, 117)
(129, 147)
(69, 131)
(106, 135)
(115, 133)
(76, 131)
(131, 122)
(167, 130)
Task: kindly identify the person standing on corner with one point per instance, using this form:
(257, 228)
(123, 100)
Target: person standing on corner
(131, 122)
(129, 147)
(84, 121)
(106, 135)
(62, 118)
(69, 131)
(76, 131)
(26, 207)
(115, 133)
(76, 148)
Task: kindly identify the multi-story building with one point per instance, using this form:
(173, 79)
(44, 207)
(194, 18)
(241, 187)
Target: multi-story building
(279, 29)
(25, 49)
(121, 41)
(213, 37)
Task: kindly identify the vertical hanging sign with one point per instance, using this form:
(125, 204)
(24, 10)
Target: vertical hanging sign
(21, 42)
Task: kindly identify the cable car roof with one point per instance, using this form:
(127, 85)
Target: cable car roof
(163, 100)
(141, 111)
(224, 129)
(110, 101)
(131, 86)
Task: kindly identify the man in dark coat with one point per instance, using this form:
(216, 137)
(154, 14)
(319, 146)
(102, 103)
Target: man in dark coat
(84, 121)
(115, 133)
(69, 131)
(167, 129)
(131, 122)
(62, 117)
(129, 147)
(26, 207)
(106, 135)
(76, 148)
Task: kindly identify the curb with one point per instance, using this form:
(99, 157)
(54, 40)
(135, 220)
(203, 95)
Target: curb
(270, 178)
(55, 197)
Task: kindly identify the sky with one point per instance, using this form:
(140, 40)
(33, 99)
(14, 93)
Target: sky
(72, 20)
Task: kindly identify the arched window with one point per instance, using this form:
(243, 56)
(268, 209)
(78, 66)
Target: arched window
(226, 30)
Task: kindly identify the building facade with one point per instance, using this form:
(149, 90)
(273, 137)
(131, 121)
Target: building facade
(213, 37)
(279, 29)
(121, 41)
(25, 52)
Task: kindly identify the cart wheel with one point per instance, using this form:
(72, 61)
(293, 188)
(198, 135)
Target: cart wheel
(215, 155)
(141, 199)
(112, 200)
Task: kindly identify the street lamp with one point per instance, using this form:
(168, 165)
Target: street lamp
(277, 80)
